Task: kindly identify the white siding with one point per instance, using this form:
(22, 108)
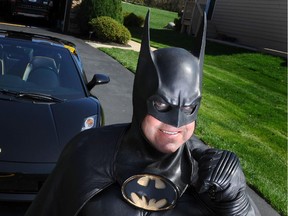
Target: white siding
(257, 23)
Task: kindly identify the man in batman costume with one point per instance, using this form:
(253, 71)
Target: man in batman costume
(154, 165)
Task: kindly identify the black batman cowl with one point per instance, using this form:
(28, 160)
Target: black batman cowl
(173, 75)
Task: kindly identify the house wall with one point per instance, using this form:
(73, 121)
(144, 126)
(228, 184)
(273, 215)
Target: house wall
(258, 23)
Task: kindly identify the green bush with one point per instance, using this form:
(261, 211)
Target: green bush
(90, 9)
(107, 29)
(132, 20)
(178, 24)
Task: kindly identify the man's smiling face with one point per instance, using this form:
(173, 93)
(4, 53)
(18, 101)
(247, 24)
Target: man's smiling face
(166, 138)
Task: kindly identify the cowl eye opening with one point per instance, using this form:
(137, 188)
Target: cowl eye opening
(189, 110)
(161, 106)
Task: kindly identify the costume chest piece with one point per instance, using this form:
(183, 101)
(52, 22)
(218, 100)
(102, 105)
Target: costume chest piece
(150, 192)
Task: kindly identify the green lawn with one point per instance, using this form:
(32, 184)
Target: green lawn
(244, 106)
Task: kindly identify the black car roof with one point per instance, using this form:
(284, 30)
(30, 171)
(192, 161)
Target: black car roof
(36, 38)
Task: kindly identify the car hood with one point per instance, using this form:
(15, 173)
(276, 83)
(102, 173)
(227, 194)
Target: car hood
(37, 132)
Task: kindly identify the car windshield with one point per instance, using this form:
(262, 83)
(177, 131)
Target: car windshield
(39, 68)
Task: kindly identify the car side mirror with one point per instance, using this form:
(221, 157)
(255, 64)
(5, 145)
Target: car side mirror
(98, 79)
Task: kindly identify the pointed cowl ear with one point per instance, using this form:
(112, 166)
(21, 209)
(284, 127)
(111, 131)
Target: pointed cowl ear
(145, 50)
(146, 81)
(200, 41)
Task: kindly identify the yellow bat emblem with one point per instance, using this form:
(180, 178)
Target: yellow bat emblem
(150, 192)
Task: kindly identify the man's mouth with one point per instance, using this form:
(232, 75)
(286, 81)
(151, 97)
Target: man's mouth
(170, 132)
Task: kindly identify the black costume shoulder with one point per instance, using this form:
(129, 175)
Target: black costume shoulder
(84, 167)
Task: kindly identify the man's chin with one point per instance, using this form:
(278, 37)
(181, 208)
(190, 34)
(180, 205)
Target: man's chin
(168, 149)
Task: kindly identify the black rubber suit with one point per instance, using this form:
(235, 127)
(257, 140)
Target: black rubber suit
(115, 171)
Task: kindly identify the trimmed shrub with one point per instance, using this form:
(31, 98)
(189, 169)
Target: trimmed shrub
(132, 20)
(178, 24)
(90, 9)
(178, 21)
(107, 29)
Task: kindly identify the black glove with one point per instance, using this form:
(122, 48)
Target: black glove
(220, 177)
(219, 174)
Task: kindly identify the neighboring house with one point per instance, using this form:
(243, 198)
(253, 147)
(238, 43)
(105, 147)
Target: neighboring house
(260, 24)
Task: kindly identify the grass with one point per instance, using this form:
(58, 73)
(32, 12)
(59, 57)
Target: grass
(244, 106)
(244, 110)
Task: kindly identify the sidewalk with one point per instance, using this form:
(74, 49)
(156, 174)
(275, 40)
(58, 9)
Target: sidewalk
(132, 45)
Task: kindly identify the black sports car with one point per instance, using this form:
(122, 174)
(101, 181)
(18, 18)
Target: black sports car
(44, 102)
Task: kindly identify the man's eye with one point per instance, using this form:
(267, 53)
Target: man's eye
(160, 106)
(188, 110)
